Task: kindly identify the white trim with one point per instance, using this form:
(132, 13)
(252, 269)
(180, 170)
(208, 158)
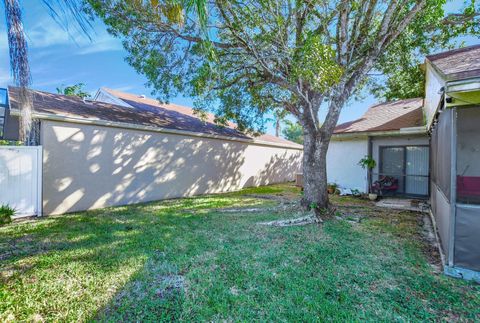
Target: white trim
(47, 116)
(39, 210)
(466, 85)
(462, 273)
(402, 132)
(469, 206)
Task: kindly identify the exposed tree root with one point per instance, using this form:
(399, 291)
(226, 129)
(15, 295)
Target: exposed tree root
(304, 220)
(246, 210)
(281, 207)
(265, 197)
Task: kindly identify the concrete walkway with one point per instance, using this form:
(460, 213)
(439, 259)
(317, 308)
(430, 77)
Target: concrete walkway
(402, 204)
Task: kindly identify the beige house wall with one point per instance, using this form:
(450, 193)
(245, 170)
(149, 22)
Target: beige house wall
(433, 95)
(92, 166)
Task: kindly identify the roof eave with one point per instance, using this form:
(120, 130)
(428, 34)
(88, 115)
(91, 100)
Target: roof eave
(388, 133)
(124, 125)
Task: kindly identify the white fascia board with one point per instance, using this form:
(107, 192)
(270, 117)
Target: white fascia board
(413, 130)
(122, 125)
(363, 135)
(463, 85)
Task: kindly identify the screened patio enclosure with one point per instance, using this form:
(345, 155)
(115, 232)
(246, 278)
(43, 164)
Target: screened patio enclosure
(455, 198)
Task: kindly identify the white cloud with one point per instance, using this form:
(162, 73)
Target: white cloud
(5, 79)
(125, 88)
(47, 33)
(105, 43)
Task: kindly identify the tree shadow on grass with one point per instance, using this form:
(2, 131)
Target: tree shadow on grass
(154, 293)
(126, 257)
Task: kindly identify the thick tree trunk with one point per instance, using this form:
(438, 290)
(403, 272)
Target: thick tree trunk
(316, 140)
(315, 172)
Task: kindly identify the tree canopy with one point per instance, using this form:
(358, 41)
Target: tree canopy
(298, 56)
(293, 131)
(399, 70)
(265, 54)
(77, 90)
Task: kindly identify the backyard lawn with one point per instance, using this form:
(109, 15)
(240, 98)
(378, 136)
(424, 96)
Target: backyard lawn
(209, 259)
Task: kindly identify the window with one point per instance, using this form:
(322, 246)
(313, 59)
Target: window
(468, 156)
(403, 170)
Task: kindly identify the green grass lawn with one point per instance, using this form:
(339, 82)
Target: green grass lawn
(197, 259)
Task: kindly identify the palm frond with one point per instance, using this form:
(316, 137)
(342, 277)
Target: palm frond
(64, 12)
(200, 7)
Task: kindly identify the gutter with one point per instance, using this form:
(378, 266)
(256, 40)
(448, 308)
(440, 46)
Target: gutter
(363, 135)
(465, 85)
(123, 125)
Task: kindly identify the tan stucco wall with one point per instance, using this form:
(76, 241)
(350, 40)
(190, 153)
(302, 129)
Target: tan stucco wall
(91, 166)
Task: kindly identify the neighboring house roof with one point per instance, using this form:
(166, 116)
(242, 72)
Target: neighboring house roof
(389, 116)
(181, 116)
(458, 64)
(146, 114)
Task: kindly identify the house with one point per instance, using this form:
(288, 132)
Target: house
(426, 148)
(394, 135)
(130, 149)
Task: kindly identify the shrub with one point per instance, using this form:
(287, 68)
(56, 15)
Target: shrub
(10, 143)
(6, 213)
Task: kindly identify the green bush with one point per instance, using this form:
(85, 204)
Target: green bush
(6, 213)
(10, 143)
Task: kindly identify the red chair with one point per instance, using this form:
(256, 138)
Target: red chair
(385, 183)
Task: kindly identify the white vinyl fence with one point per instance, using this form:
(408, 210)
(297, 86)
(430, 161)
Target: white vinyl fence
(21, 179)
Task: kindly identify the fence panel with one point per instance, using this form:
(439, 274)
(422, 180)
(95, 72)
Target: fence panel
(21, 179)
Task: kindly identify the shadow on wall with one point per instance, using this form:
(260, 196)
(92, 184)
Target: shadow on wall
(87, 167)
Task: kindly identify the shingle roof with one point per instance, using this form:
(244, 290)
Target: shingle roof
(178, 113)
(146, 114)
(459, 63)
(388, 116)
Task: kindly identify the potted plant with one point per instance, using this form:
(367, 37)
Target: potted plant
(372, 196)
(369, 163)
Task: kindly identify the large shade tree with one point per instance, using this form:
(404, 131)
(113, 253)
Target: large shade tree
(63, 12)
(255, 56)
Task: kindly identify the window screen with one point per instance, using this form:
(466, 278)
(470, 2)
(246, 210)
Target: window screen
(442, 146)
(468, 156)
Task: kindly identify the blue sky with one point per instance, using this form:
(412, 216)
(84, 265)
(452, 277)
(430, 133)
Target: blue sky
(57, 59)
